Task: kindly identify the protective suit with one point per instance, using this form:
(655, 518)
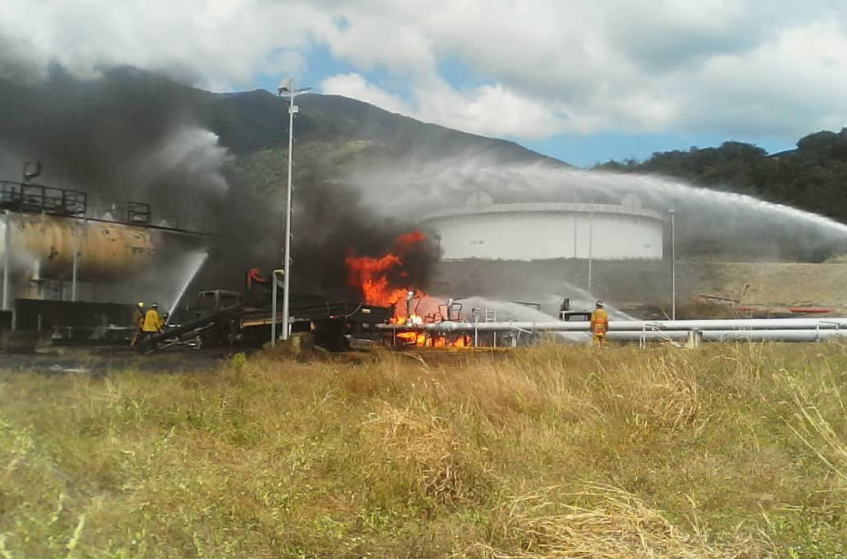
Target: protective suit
(139, 324)
(152, 322)
(599, 325)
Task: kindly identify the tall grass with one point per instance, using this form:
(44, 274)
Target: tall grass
(553, 451)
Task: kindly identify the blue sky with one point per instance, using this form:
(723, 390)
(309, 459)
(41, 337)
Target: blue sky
(579, 80)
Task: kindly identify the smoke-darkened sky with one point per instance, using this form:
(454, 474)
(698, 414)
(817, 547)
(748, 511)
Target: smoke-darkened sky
(130, 135)
(126, 135)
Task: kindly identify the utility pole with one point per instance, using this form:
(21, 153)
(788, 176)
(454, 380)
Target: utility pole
(287, 86)
(7, 246)
(76, 255)
(274, 287)
(673, 265)
(590, 242)
(575, 223)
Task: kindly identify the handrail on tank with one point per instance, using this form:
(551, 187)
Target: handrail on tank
(40, 199)
(32, 197)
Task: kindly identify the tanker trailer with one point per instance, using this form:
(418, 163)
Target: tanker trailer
(41, 247)
(66, 269)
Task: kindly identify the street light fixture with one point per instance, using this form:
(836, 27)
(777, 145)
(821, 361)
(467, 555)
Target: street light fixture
(287, 87)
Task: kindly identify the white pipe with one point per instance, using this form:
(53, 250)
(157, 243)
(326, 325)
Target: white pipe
(784, 335)
(732, 324)
(673, 266)
(590, 242)
(274, 275)
(616, 326)
(76, 254)
(723, 335)
(575, 225)
(7, 245)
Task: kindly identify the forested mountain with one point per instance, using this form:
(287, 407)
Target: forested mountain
(255, 120)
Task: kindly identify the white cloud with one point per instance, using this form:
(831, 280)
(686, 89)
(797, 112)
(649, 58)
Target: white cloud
(217, 42)
(357, 87)
(538, 67)
(493, 110)
(792, 83)
(490, 110)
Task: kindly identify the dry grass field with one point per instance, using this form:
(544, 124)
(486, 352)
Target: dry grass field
(550, 451)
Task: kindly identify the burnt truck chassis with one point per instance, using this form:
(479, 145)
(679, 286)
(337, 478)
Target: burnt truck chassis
(230, 323)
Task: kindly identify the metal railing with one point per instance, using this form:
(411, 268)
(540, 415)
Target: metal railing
(41, 199)
(26, 197)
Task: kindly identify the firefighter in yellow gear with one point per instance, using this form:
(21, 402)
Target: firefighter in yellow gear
(139, 324)
(599, 325)
(152, 322)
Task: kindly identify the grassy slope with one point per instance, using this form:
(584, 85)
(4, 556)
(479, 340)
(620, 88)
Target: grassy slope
(549, 451)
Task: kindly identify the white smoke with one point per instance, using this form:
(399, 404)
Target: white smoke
(410, 189)
(510, 311)
(194, 153)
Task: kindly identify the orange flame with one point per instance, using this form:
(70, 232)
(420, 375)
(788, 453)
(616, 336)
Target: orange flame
(371, 274)
(373, 277)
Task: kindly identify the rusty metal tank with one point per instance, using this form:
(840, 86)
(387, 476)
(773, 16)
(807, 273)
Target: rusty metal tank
(43, 246)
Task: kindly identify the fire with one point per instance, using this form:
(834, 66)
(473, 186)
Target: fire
(373, 275)
(381, 282)
(412, 338)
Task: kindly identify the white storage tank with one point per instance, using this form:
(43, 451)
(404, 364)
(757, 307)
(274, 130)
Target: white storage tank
(547, 230)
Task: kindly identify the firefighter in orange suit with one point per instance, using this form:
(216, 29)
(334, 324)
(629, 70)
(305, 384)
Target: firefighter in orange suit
(599, 325)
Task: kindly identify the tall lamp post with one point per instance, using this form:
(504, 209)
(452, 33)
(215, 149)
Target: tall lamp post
(286, 87)
(673, 265)
(590, 241)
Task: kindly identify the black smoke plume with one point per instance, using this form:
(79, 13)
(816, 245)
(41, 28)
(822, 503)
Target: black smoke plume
(334, 222)
(131, 135)
(124, 136)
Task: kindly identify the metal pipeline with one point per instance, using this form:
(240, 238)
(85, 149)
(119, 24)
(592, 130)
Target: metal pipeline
(777, 335)
(834, 323)
(729, 324)
(7, 243)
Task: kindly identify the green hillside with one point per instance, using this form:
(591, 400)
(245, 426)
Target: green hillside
(256, 120)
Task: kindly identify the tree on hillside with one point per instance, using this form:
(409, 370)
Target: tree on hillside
(813, 177)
